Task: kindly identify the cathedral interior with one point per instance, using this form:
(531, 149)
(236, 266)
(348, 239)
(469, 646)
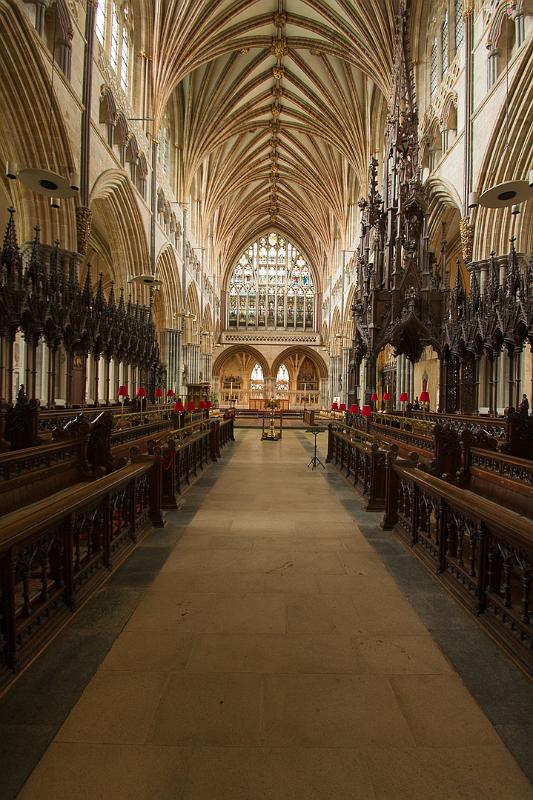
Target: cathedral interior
(240, 236)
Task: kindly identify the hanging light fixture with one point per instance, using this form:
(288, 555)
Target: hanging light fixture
(46, 181)
(510, 193)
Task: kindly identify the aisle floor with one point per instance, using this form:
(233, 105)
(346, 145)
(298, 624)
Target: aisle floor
(274, 657)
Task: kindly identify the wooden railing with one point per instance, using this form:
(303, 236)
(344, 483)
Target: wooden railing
(410, 434)
(55, 552)
(32, 474)
(361, 458)
(65, 525)
(483, 553)
(184, 451)
(493, 426)
(49, 419)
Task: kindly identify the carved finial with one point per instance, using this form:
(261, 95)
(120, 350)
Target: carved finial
(10, 237)
(87, 287)
(35, 266)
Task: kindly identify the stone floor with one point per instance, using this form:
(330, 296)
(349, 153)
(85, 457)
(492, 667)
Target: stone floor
(272, 656)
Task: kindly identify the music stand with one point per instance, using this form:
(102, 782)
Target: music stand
(315, 461)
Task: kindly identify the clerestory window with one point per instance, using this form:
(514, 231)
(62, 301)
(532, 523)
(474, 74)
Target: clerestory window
(113, 30)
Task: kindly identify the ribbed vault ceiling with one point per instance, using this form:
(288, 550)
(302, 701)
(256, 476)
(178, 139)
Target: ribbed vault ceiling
(280, 104)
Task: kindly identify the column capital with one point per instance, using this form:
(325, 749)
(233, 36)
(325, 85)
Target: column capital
(468, 8)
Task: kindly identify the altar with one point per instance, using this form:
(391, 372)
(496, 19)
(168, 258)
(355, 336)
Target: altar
(258, 404)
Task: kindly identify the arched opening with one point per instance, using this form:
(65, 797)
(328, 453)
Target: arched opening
(282, 383)
(257, 383)
(271, 287)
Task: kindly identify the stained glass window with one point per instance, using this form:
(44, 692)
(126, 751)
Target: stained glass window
(101, 10)
(271, 287)
(434, 67)
(459, 24)
(125, 57)
(163, 147)
(282, 379)
(445, 43)
(113, 56)
(257, 380)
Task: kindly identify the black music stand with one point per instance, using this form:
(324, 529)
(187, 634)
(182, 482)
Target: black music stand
(315, 461)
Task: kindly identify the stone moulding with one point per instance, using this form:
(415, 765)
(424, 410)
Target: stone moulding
(271, 337)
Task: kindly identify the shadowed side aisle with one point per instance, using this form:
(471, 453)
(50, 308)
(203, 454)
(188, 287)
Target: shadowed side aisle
(275, 657)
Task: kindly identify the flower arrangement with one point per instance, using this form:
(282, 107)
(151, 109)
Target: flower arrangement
(271, 404)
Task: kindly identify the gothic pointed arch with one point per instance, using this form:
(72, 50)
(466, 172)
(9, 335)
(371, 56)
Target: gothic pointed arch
(30, 136)
(271, 286)
(228, 354)
(293, 356)
(116, 212)
(168, 271)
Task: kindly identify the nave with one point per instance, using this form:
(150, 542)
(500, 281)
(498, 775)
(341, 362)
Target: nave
(271, 642)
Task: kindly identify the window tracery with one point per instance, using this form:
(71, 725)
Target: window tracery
(434, 62)
(257, 379)
(113, 32)
(459, 24)
(444, 43)
(271, 287)
(282, 380)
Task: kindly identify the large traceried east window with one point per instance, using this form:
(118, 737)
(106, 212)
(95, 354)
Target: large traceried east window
(271, 287)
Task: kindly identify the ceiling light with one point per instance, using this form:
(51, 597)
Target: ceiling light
(146, 280)
(506, 194)
(46, 182)
(11, 171)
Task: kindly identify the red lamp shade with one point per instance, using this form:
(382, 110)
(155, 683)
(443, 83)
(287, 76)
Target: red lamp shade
(170, 393)
(178, 407)
(386, 396)
(374, 396)
(342, 407)
(404, 397)
(334, 406)
(354, 409)
(159, 392)
(190, 405)
(209, 404)
(202, 405)
(141, 391)
(122, 391)
(366, 411)
(424, 397)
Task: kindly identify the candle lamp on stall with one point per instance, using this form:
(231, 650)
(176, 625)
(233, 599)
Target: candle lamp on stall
(424, 399)
(122, 394)
(141, 396)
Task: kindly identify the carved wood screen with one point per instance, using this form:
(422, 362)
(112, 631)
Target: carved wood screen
(452, 385)
(468, 385)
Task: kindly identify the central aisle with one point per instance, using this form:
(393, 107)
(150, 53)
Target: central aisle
(274, 658)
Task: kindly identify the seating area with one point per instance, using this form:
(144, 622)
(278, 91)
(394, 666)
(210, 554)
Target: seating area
(73, 507)
(460, 502)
